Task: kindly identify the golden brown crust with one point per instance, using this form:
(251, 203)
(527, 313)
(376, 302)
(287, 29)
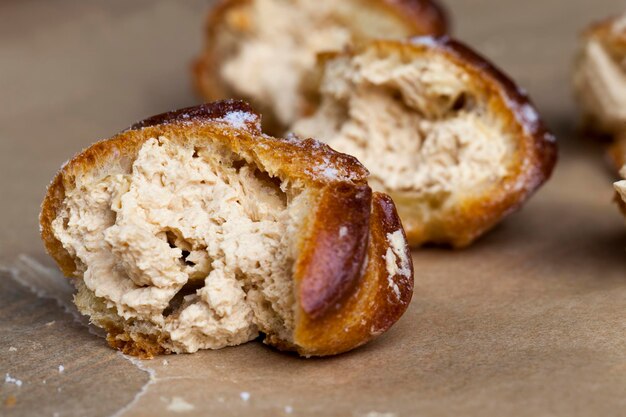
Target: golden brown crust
(342, 192)
(533, 159)
(334, 250)
(614, 40)
(421, 17)
(370, 310)
(139, 345)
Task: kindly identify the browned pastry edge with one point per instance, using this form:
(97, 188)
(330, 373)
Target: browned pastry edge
(337, 332)
(325, 293)
(427, 17)
(616, 152)
(535, 156)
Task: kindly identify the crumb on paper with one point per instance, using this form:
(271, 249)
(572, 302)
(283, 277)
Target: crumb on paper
(245, 395)
(61, 369)
(8, 379)
(12, 349)
(179, 405)
(288, 409)
(10, 401)
(379, 414)
(165, 362)
(50, 323)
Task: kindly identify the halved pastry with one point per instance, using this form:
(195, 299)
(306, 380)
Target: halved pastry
(455, 143)
(194, 230)
(263, 50)
(600, 84)
(600, 76)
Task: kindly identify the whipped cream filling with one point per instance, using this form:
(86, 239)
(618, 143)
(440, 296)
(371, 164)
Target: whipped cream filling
(192, 244)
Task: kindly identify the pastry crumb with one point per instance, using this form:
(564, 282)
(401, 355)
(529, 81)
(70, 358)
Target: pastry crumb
(10, 401)
(179, 405)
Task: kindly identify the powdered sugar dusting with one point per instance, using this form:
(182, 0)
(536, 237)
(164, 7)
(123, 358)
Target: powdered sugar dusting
(529, 114)
(426, 41)
(240, 119)
(326, 170)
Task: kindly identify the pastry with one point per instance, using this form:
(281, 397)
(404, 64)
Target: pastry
(263, 50)
(600, 76)
(194, 230)
(600, 85)
(452, 139)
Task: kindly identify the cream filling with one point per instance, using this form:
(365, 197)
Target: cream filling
(400, 120)
(279, 41)
(190, 244)
(603, 85)
(396, 261)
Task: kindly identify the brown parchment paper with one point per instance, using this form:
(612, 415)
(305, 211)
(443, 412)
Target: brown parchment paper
(530, 321)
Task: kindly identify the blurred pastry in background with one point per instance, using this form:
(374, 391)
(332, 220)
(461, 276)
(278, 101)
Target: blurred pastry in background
(450, 137)
(600, 84)
(263, 50)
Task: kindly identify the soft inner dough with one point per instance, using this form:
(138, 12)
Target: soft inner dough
(192, 244)
(412, 121)
(275, 43)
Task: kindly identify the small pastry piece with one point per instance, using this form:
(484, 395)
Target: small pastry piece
(620, 191)
(194, 230)
(263, 50)
(600, 76)
(452, 139)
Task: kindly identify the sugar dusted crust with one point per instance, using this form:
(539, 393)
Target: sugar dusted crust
(527, 160)
(342, 286)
